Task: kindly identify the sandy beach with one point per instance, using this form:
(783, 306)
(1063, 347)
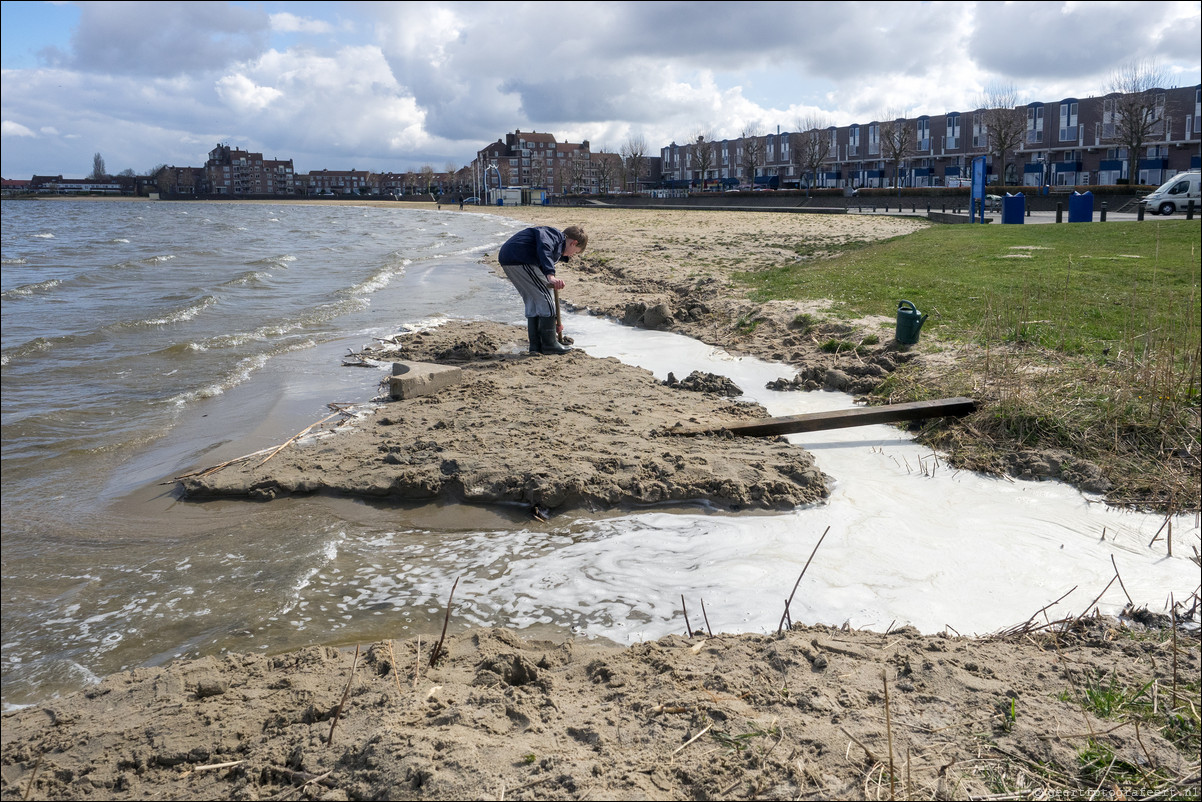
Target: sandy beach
(806, 712)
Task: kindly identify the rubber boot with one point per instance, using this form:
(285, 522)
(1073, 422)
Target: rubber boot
(546, 330)
(533, 336)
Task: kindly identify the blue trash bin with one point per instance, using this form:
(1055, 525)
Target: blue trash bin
(1080, 207)
(1014, 207)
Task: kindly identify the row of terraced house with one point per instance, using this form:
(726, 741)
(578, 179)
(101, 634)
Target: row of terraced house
(1072, 142)
(233, 172)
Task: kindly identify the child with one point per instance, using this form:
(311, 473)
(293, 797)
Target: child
(529, 259)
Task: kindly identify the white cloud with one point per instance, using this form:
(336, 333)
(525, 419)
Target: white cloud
(10, 128)
(164, 38)
(431, 82)
(244, 95)
(290, 23)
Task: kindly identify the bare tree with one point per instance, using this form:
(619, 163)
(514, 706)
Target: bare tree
(897, 143)
(811, 146)
(752, 139)
(1004, 122)
(164, 178)
(634, 154)
(98, 171)
(538, 172)
(1136, 111)
(579, 167)
(703, 154)
(606, 170)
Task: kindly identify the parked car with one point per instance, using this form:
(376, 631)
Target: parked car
(472, 199)
(1176, 193)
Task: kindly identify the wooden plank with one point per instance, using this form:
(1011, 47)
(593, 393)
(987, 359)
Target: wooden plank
(839, 419)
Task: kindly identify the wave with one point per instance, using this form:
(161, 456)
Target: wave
(44, 235)
(177, 315)
(247, 279)
(26, 290)
(17, 261)
(274, 261)
(377, 280)
(31, 348)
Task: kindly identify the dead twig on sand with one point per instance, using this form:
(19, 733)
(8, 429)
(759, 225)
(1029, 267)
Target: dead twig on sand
(345, 693)
(215, 468)
(396, 670)
(213, 767)
(434, 655)
(301, 434)
(688, 630)
(338, 410)
(889, 734)
(780, 627)
(1026, 627)
(871, 755)
(682, 747)
(33, 776)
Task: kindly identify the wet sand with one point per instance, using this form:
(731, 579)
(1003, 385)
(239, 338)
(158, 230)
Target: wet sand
(812, 712)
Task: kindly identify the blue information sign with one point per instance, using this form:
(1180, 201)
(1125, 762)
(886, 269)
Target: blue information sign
(978, 185)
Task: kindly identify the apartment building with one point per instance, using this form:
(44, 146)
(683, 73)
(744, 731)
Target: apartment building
(1070, 142)
(536, 160)
(336, 182)
(230, 171)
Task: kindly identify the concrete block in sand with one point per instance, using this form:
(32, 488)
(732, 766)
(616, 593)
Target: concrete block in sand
(411, 379)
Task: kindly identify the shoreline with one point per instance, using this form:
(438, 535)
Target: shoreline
(814, 711)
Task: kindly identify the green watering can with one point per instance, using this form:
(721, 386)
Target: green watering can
(909, 322)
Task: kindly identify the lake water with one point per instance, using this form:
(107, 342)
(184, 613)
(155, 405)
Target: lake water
(143, 340)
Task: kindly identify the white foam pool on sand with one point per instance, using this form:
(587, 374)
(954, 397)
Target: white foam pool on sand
(911, 541)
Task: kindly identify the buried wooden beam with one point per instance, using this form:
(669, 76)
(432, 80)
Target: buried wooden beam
(838, 419)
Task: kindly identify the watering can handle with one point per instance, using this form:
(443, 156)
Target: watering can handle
(904, 304)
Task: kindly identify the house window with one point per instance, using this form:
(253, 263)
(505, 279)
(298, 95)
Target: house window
(924, 134)
(1034, 124)
(952, 140)
(1068, 121)
(980, 132)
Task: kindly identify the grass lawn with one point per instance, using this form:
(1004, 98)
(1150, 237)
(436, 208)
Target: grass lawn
(1082, 337)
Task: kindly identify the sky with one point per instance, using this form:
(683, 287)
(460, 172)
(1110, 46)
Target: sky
(394, 86)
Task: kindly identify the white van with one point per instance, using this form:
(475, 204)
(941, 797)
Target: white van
(1176, 193)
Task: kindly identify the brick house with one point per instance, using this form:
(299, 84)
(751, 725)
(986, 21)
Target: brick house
(1070, 142)
(336, 182)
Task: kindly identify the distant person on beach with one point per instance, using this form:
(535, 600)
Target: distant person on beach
(529, 259)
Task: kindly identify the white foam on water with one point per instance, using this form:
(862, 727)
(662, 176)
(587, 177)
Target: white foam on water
(911, 541)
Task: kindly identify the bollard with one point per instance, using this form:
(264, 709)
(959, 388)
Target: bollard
(1139, 214)
(1103, 212)
(1059, 212)
(1189, 210)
